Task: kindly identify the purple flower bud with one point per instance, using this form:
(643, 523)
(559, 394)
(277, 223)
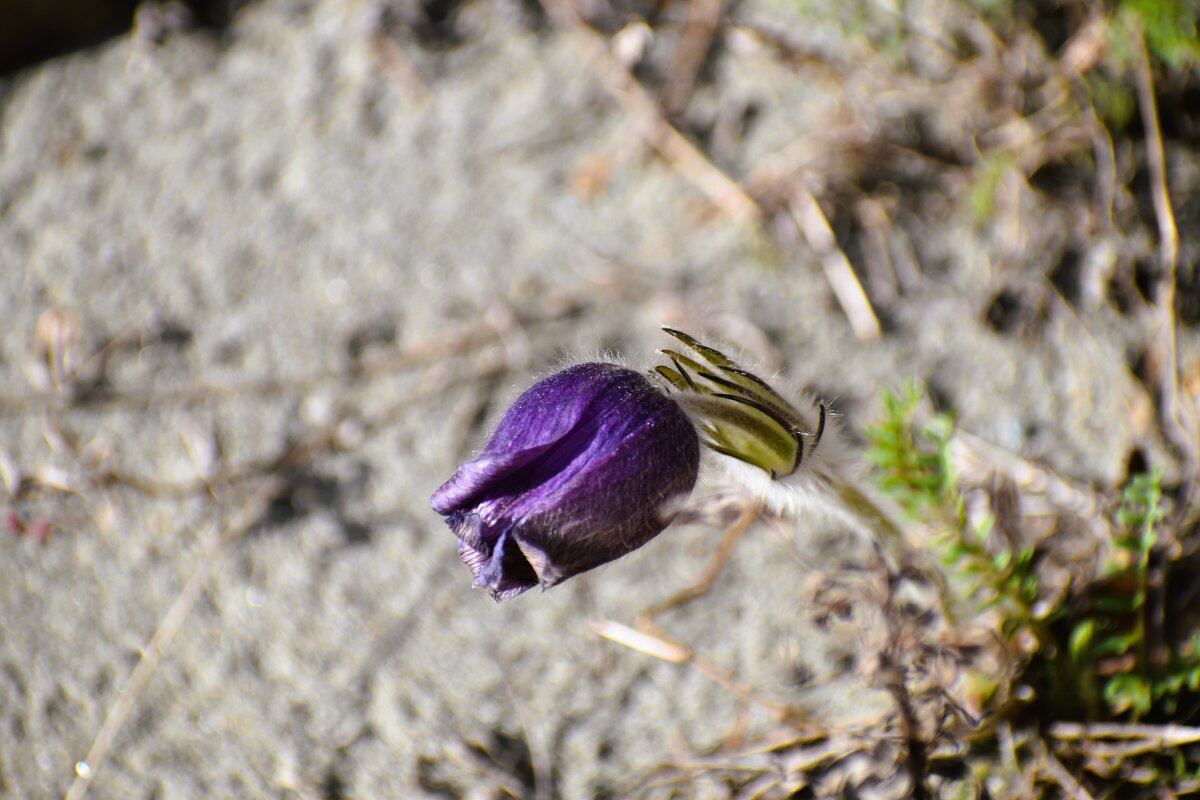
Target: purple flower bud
(576, 475)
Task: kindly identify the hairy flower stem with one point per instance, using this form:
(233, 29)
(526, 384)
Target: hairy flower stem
(884, 525)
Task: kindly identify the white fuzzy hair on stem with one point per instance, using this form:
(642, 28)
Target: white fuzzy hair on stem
(747, 424)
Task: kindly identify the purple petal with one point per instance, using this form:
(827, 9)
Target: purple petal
(504, 572)
(575, 475)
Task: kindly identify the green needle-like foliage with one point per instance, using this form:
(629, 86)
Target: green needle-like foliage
(912, 465)
(1090, 650)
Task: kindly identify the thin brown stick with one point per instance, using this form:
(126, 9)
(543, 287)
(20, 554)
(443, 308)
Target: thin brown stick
(456, 343)
(724, 192)
(657, 643)
(1168, 232)
(651, 639)
(275, 484)
(845, 284)
(1054, 769)
(642, 642)
(1162, 736)
(396, 63)
(978, 462)
(781, 168)
(164, 635)
(721, 556)
(704, 17)
(1180, 417)
(1008, 756)
(540, 758)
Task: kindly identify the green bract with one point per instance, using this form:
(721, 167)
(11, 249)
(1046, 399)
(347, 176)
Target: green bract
(738, 413)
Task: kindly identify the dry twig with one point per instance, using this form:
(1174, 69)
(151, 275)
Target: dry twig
(275, 485)
(1181, 418)
(391, 56)
(704, 17)
(1054, 769)
(1158, 737)
(978, 463)
(172, 622)
(723, 191)
(457, 342)
(657, 644)
(721, 556)
(845, 284)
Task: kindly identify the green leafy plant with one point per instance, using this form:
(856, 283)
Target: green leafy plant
(1091, 655)
(1111, 641)
(1169, 27)
(988, 177)
(913, 466)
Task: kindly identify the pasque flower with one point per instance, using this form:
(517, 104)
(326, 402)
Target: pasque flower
(580, 471)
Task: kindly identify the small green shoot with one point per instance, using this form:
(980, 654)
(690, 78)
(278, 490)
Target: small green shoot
(1112, 640)
(1091, 648)
(912, 466)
